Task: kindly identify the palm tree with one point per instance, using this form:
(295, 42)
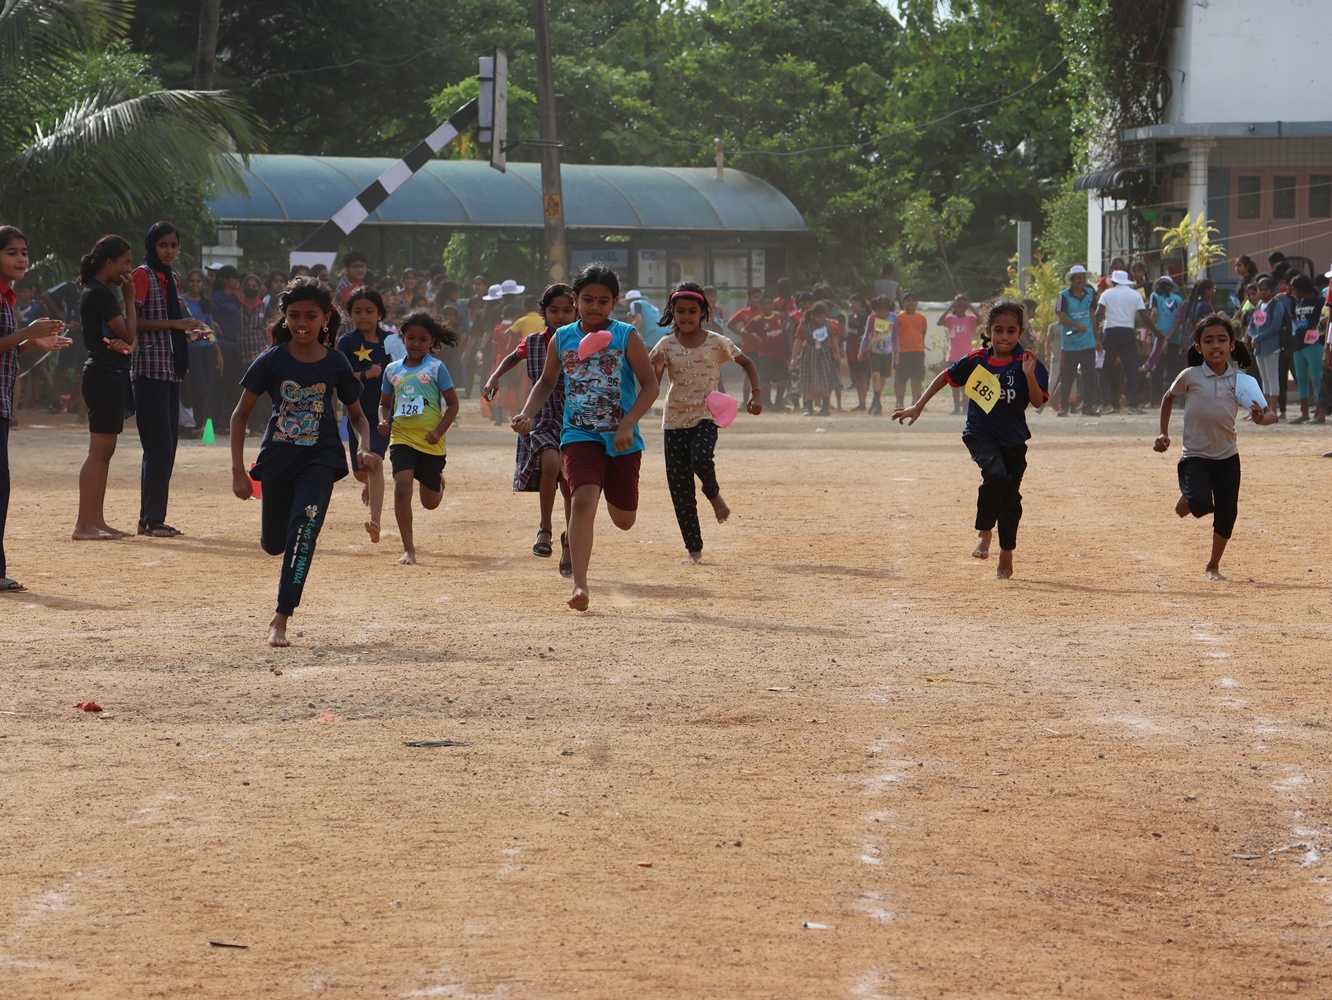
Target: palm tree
(89, 140)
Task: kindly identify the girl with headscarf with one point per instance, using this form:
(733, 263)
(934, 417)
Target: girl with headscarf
(160, 362)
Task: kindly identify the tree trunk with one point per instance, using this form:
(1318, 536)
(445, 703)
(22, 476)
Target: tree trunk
(206, 57)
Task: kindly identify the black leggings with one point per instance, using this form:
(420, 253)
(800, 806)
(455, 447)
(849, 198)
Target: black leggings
(293, 513)
(157, 408)
(1211, 486)
(689, 454)
(999, 499)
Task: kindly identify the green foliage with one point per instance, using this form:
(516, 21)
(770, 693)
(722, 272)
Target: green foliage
(1064, 233)
(89, 140)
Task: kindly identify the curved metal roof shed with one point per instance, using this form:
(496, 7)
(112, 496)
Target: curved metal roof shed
(466, 194)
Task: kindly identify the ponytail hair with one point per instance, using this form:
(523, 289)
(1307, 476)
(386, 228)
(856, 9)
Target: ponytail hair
(1003, 307)
(107, 248)
(1239, 351)
(440, 335)
(10, 234)
(306, 289)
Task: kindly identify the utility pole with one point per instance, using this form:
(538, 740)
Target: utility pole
(1025, 259)
(557, 256)
(206, 57)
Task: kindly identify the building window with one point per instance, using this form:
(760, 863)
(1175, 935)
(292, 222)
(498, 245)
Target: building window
(1283, 197)
(1320, 196)
(1250, 197)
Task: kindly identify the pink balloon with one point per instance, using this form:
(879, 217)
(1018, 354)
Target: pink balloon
(592, 343)
(722, 407)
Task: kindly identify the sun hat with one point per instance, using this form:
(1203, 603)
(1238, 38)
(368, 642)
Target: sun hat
(1121, 278)
(1165, 279)
(494, 293)
(632, 295)
(1075, 269)
(511, 287)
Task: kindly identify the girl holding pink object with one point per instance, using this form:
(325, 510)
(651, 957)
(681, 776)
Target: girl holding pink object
(694, 409)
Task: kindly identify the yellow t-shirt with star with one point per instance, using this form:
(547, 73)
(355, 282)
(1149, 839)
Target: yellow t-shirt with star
(694, 372)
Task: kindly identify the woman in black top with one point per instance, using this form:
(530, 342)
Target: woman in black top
(109, 335)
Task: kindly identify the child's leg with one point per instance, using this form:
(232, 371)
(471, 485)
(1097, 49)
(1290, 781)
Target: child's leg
(91, 523)
(582, 519)
(4, 490)
(308, 497)
(375, 485)
(680, 481)
(550, 481)
(275, 514)
(998, 499)
(402, 512)
(899, 383)
(1225, 499)
(702, 448)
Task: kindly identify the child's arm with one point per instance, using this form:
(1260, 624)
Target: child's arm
(909, 414)
(43, 333)
(1163, 439)
(385, 412)
(550, 377)
(450, 396)
(365, 458)
(648, 388)
(240, 479)
(755, 404)
(510, 362)
(1034, 390)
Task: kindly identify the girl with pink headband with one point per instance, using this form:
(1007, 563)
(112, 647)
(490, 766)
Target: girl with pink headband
(695, 409)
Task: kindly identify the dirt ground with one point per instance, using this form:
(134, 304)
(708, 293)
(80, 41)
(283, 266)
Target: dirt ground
(838, 760)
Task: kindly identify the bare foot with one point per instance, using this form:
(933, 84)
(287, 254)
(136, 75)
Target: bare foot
(982, 549)
(1005, 568)
(277, 631)
(693, 558)
(1213, 573)
(579, 601)
(407, 559)
(1182, 507)
(372, 529)
(95, 535)
(722, 511)
(116, 532)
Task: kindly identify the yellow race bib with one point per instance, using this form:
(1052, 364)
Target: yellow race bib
(983, 387)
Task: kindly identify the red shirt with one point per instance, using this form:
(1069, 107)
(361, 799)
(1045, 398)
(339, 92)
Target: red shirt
(770, 333)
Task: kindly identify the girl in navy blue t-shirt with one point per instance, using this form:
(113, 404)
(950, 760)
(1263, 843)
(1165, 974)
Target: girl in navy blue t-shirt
(1000, 381)
(364, 347)
(301, 456)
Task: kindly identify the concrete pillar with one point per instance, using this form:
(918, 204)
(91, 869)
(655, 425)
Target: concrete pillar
(1198, 150)
(1094, 262)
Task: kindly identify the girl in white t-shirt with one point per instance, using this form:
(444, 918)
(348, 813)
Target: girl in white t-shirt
(694, 357)
(1209, 470)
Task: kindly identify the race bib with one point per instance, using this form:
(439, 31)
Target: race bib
(1311, 336)
(1260, 316)
(410, 406)
(820, 335)
(984, 388)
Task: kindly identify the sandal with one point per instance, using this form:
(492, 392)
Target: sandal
(566, 563)
(158, 529)
(8, 586)
(543, 549)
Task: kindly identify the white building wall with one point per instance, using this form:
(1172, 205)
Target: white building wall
(1241, 61)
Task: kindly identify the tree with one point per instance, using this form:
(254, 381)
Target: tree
(89, 139)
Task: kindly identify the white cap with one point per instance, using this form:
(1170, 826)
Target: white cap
(1075, 269)
(494, 294)
(511, 287)
(632, 294)
(1121, 278)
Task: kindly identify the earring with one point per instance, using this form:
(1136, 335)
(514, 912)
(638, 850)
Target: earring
(326, 328)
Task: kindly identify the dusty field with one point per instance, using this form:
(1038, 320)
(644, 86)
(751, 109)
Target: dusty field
(1104, 778)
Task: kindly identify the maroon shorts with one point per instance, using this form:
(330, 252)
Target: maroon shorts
(586, 463)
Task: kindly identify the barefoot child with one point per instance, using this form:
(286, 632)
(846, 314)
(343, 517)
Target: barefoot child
(961, 336)
(418, 403)
(301, 455)
(1209, 469)
(15, 340)
(878, 343)
(694, 357)
(365, 349)
(539, 467)
(1001, 381)
(609, 385)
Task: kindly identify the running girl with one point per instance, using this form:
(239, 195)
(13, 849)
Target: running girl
(1209, 469)
(301, 455)
(694, 357)
(416, 408)
(110, 336)
(609, 385)
(364, 348)
(539, 467)
(1001, 380)
(41, 333)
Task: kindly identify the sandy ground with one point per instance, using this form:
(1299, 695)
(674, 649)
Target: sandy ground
(1104, 778)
